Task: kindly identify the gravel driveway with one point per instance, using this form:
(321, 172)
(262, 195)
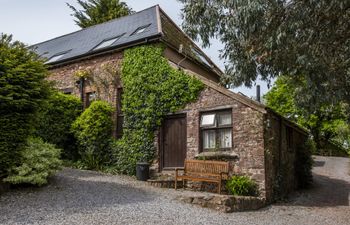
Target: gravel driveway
(86, 197)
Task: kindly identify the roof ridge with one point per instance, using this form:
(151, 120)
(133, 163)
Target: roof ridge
(87, 28)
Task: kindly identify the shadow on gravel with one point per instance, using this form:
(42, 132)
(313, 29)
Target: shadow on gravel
(325, 192)
(67, 194)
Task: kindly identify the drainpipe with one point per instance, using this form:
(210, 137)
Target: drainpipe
(81, 89)
(181, 52)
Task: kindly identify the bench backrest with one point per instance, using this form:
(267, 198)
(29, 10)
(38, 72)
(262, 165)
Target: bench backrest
(205, 167)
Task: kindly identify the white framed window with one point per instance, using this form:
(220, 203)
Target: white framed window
(106, 43)
(200, 56)
(216, 130)
(140, 29)
(208, 120)
(55, 58)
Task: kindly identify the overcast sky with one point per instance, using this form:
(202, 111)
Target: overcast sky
(33, 21)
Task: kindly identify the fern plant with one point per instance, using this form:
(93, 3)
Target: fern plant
(242, 186)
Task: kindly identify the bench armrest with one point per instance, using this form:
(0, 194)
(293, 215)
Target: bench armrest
(177, 171)
(223, 173)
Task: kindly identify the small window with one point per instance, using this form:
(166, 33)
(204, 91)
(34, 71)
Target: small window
(208, 120)
(107, 43)
(216, 130)
(201, 57)
(90, 97)
(55, 58)
(140, 29)
(67, 91)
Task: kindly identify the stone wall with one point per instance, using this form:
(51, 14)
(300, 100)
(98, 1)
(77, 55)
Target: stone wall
(225, 203)
(247, 133)
(280, 156)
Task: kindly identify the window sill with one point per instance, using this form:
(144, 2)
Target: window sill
(217, 155)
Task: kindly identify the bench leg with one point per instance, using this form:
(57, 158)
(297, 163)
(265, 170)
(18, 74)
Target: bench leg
(175, 183)
(219, 191)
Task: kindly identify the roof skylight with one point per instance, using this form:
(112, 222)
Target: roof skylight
(141, 29)
(55, 58)
(201, 57)
(107, 43)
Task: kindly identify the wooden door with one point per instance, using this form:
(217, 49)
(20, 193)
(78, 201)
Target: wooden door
(173, 142)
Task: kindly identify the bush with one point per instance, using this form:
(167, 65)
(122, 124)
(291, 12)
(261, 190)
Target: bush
(22, 89)
(93, 130)
(55, 120)
(303, 164)
(39, 160)
(242, 186)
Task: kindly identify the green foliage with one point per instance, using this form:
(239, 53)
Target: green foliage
(93, 130)
(343, 135)
(39, 161)
(281, 98)
(55, 119)
(326, 123)
(242, 186)
(152, 89)
(269, 38)
(22, 89)
(98, 11)
(304, 164)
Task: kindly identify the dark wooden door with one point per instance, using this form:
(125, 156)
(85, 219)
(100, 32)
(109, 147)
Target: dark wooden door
(173, 142)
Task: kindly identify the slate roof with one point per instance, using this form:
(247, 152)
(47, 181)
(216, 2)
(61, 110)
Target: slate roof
(84, 42)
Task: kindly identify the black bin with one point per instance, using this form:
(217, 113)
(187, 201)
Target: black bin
(142, 171)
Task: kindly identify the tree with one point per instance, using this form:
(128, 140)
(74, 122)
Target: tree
(54, 121)
(22, 90)
(269, 38)
(329, 122)
(99, 11)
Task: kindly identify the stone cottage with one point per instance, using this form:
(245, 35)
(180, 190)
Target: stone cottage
(220, 124)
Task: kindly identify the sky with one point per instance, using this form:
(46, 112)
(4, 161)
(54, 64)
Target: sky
(34, 21)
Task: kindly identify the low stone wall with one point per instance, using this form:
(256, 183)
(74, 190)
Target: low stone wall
(225, 203)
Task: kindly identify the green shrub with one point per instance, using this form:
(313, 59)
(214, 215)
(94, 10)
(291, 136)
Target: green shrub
(54, 122)
(151, 90)
(242, 186)
(39, 160)
(303, 164)
(22, 89)
(93, 130)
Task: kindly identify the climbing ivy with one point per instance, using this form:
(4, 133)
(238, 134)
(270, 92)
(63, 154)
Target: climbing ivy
(152, 89)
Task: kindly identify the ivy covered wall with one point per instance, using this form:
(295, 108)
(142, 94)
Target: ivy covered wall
(151, 90)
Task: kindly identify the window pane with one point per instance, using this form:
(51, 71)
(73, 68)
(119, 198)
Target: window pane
(209, 138)
(55, 58)
(107, 43)
(224, 119)
(225, 138)
(208, 120)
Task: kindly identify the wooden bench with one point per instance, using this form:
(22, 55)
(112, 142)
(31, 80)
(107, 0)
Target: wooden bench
(203, 170)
